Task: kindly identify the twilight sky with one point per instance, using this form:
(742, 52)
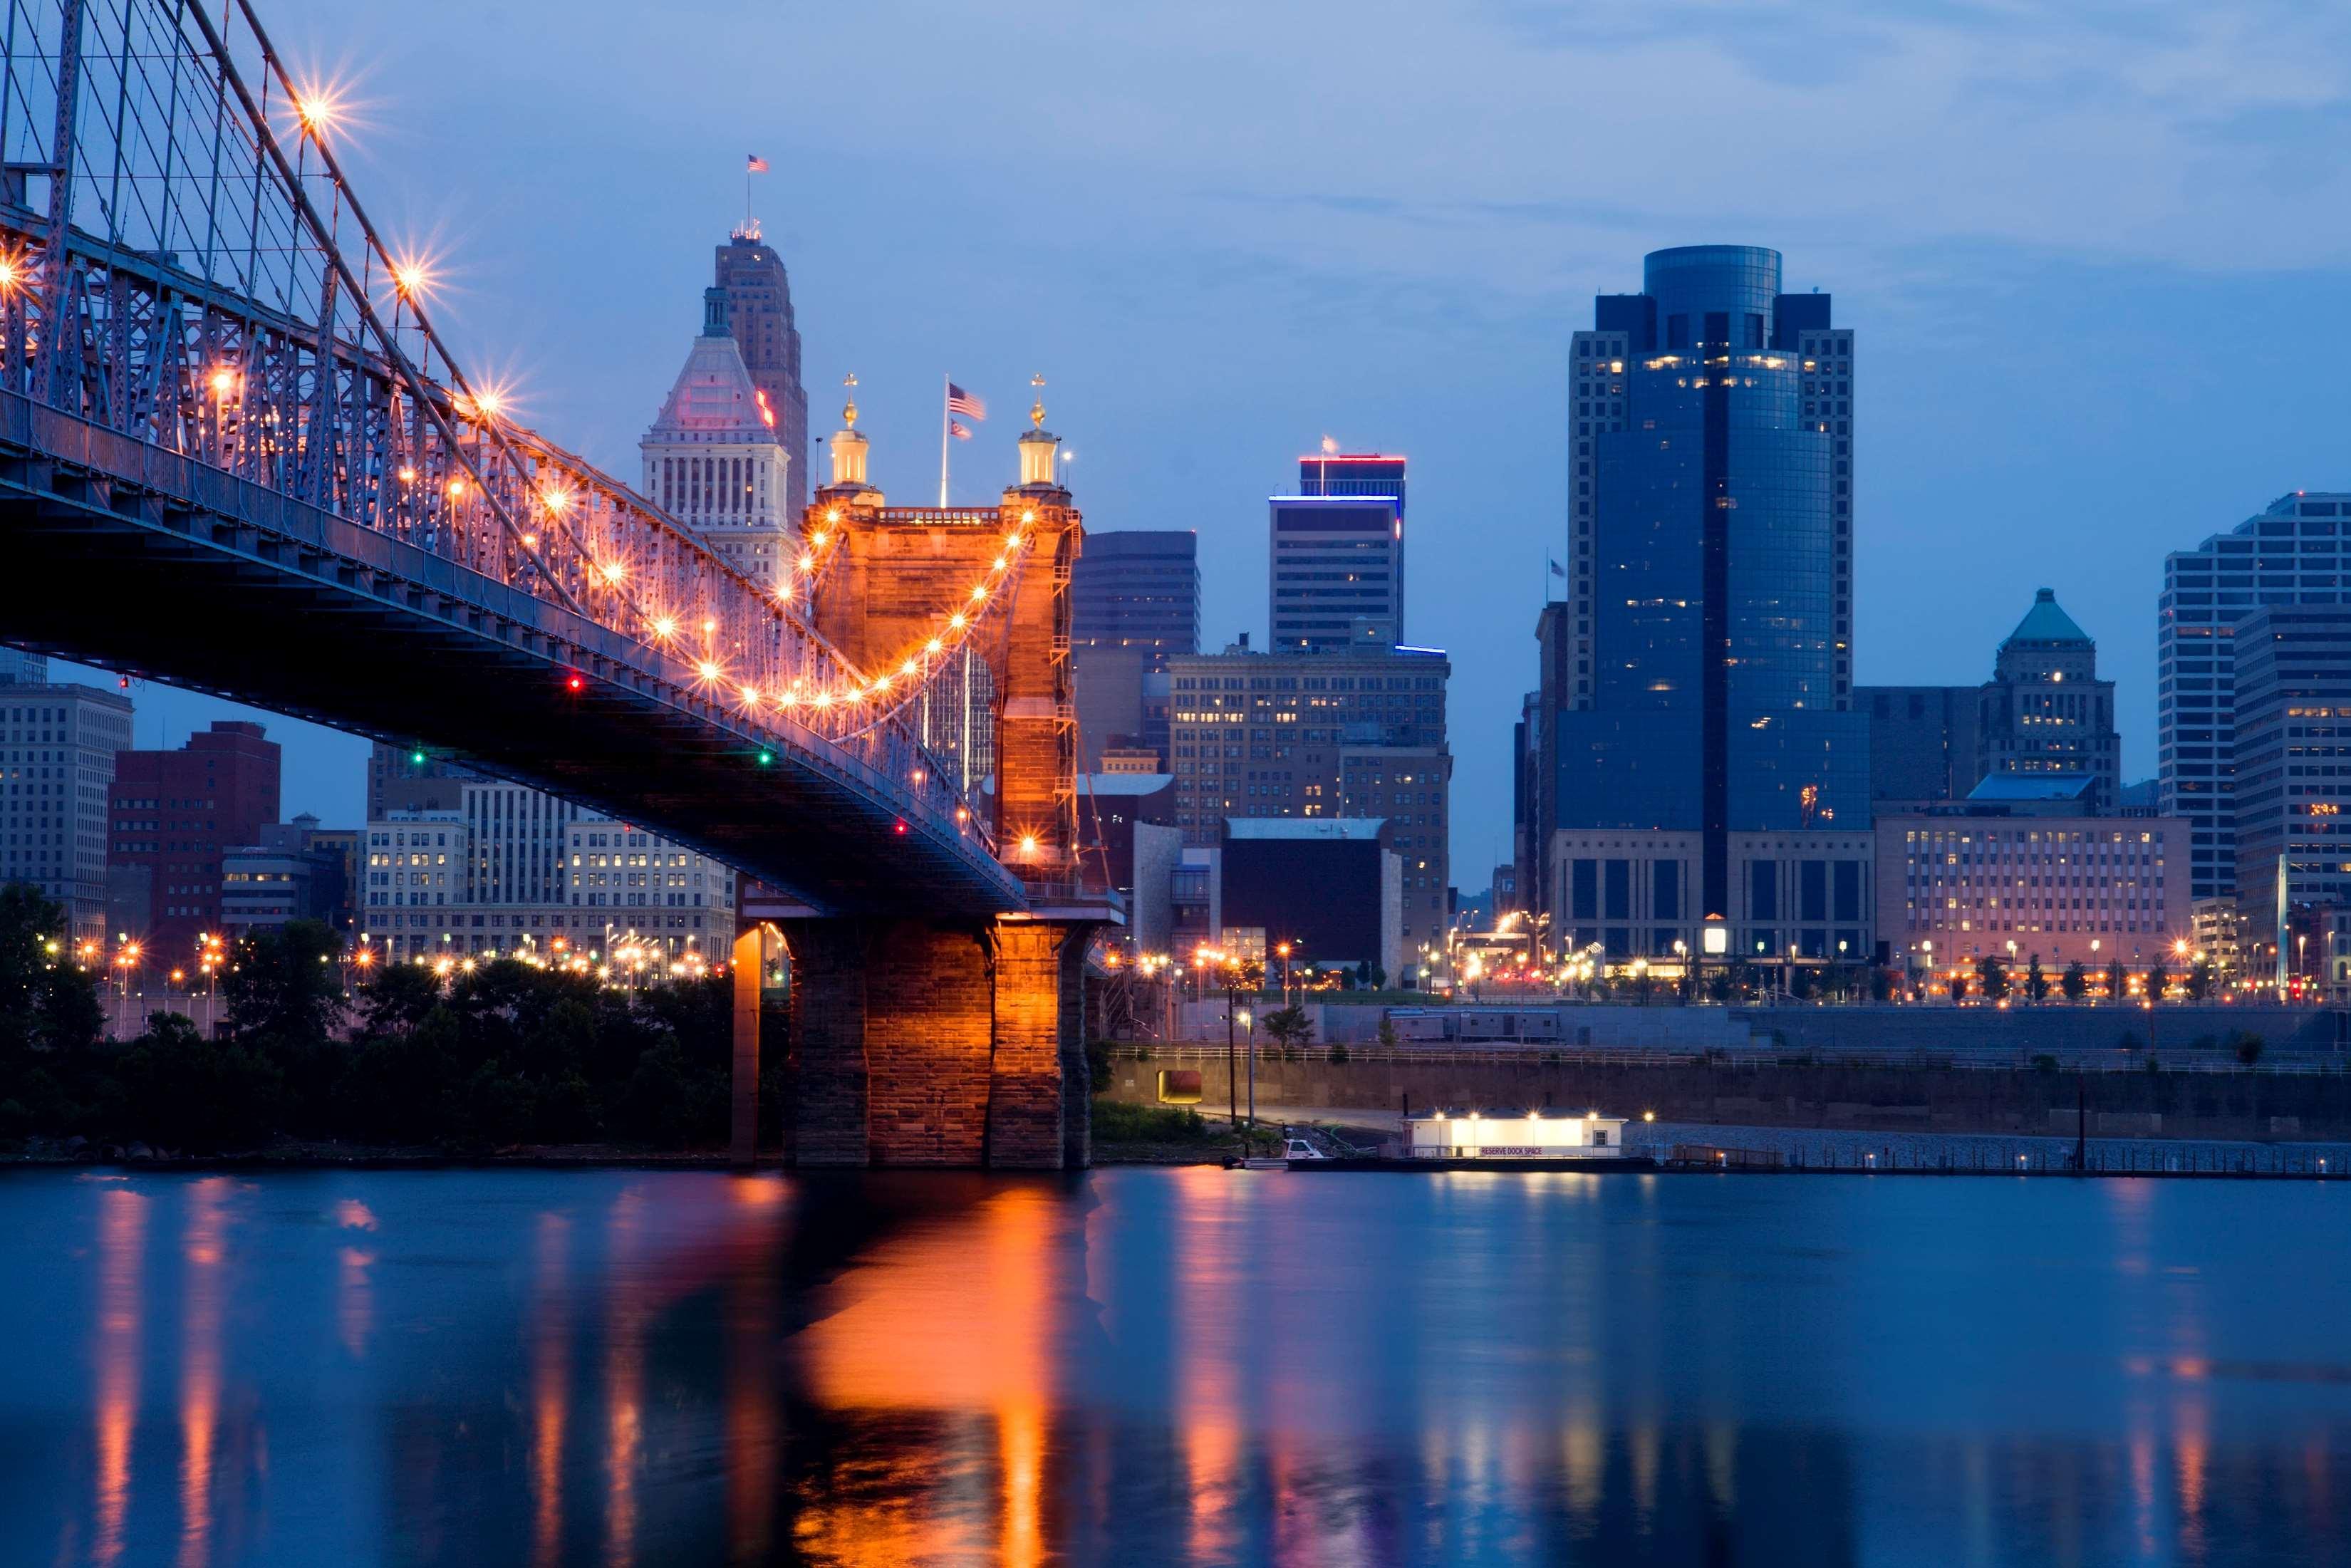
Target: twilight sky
(2096, 253)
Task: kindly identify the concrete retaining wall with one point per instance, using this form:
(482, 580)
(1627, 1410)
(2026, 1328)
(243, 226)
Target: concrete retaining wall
(2250, 1105)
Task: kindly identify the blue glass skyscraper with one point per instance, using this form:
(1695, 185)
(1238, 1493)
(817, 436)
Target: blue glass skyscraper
(1709, 674)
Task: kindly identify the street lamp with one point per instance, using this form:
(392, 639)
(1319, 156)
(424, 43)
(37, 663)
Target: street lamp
(1248, 1025)
(1232, 1061)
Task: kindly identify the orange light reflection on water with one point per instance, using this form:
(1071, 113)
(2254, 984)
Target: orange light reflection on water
(922, 1328)
(1209, 1380)
(551, 1375)
(627, 1309)
(122, 1239)
(751, 1314)
(200, 1363)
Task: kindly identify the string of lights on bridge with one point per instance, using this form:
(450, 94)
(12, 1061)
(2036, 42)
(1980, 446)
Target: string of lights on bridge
(873, 699)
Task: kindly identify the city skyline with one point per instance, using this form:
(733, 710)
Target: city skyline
(1980, 480)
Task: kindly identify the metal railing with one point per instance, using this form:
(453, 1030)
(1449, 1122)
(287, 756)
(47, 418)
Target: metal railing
(1547, 1054)
(183, 262)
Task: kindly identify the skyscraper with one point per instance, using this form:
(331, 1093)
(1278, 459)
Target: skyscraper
(1347, 734)
(1711, 562)
(2292, 760)
(58, 749)
(1337, 568)
(1137, 589)
(715, 458)
(759, 315)
(2289, 553)
(1135, 603)
(1922, 741)
(2045, 716)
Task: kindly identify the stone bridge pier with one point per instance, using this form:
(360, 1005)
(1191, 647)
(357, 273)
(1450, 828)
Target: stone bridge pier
(920, 1043)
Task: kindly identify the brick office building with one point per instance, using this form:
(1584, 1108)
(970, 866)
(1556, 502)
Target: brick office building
(173, 816)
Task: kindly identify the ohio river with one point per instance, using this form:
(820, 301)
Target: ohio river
(618, 1366)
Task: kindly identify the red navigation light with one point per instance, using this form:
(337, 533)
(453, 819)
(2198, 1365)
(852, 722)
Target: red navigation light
(573, 682)
(900, 826)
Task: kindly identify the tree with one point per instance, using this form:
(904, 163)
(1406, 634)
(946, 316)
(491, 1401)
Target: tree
(2075, 982)
(1959, 987)
(1881, 983)
(2246, 1045)
(1991, 978)
(2159, 980)
(46, 1003)
(2036, 982)
(1387, 1037)
(2199, 978)
(1291, 1027)
(185, 1091)
(282, 983)
(2115, 981)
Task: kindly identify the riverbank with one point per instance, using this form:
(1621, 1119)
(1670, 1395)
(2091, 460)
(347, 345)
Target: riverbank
(1122, 1136)
(2246, 1105)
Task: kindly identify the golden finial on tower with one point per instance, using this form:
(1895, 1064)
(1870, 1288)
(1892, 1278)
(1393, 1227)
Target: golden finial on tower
(848, 409)
(1036, 409)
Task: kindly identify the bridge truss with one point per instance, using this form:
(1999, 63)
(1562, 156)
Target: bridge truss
(184, 263)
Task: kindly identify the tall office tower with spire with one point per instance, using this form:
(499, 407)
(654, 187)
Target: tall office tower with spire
(715, 459)
(759, 315)
(1708, 659)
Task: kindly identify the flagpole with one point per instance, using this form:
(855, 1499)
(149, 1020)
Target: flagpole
(946, 424)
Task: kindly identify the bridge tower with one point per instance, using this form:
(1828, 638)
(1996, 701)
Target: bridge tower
(944, 1039)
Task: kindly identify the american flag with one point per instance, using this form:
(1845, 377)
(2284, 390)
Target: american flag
(962, 402)
(757, 165)
(959, 430)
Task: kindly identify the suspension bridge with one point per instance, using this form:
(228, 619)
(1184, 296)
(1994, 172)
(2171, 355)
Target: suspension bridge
(237, 455)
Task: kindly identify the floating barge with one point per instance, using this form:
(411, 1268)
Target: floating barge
(1447, 1141)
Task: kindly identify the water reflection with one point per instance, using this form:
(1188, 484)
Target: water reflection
(121, 1236)
(1168, 1367)
(627, 1311)
(200, 1291)
(550, 1377)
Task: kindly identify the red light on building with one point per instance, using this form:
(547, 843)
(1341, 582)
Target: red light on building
(573, 682)
(900, 826)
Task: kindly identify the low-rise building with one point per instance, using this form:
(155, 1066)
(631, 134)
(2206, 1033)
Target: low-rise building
(297, 870)
(1328, 886)
(1804, 894)
(2100, 890)
(427, 895)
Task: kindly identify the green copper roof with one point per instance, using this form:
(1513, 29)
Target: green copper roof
(2044, 622)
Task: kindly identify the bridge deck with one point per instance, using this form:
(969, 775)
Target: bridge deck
(129, 555)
